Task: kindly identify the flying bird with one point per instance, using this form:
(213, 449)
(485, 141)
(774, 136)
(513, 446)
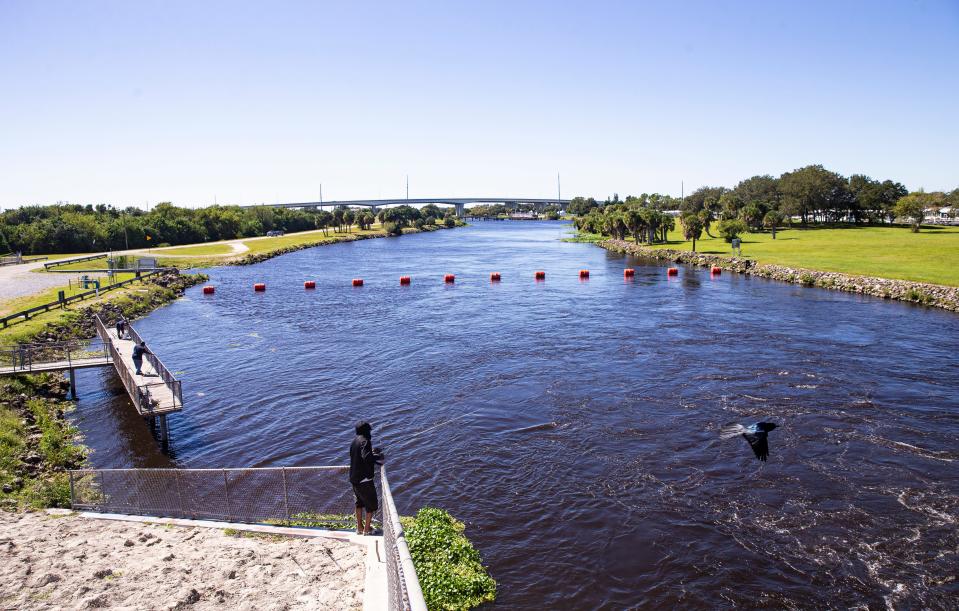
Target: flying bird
(755, 434)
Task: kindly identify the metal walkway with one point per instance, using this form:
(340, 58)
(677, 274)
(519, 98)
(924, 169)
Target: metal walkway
(154, 392)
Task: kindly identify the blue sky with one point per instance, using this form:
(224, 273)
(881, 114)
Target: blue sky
(135, 102)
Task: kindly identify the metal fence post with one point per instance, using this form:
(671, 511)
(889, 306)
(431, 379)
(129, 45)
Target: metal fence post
(179, 492)
(286, 498)
(73, 498)
(226, 490)
(103, 492)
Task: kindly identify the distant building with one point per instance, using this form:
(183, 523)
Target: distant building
(941, 216)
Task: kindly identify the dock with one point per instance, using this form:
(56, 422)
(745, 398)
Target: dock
(155, 392)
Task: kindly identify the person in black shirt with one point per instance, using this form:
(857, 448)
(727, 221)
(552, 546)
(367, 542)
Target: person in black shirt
(363, 457)
(138, 352)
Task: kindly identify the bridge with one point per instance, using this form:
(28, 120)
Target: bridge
(155, 392)
(459, 203)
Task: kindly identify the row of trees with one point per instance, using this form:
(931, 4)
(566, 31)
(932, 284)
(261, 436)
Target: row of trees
(809, 194)
(79, 229)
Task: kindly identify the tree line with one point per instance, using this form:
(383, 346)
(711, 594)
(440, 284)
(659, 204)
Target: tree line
(811, 194)
(76, 228)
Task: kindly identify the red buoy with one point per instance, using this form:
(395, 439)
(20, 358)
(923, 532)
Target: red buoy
(208, 290)
(584, 273)
(259, 287)
(405, 279)
(629, 272)
(540, 275)
(449, 278)
(494, 277)
(357, 282)
(672, 271)
(716, 270)
(309, 284)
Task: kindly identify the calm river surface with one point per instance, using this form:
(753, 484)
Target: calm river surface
(573, 425)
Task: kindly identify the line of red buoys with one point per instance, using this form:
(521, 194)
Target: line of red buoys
(628, 272)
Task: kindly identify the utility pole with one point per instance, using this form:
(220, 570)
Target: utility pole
(559, 192)
(407, 187)
(682, 194)
(321, 196)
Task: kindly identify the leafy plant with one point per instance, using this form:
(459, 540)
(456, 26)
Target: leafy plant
(449, 568)
(731, 229)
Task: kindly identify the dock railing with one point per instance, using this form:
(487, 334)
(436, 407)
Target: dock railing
(318, 497)
(138, 394)
(165, 374)
(23, 357)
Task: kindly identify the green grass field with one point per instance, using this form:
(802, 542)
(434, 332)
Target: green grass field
(196, 250)
(932, 255)
(261, 245)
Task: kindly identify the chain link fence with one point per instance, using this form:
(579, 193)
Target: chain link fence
(319, 497)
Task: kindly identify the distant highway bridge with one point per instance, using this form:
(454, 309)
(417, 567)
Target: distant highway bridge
(459, 203)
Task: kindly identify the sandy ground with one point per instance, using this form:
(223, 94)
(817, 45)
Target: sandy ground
(69, 562)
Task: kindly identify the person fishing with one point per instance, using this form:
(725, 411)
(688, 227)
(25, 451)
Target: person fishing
(138, 351)
(121, 327)
(363, 457)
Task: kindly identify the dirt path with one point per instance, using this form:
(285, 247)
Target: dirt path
(57, 562)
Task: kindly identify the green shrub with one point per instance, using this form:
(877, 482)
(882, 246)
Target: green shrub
(450, 222)
(448, 566)
(731, 229)
(807, 280)
(393, 228)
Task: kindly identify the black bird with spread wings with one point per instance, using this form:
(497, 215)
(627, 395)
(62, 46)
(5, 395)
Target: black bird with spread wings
(755, 434)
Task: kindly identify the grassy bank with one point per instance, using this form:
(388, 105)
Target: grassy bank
(37, 443)
(881, 252)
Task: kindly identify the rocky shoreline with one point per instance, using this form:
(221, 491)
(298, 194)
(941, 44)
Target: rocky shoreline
(935, 295)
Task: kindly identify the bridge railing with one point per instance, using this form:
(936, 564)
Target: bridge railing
(165, 374)
(24, 357)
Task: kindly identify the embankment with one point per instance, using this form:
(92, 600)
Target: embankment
(38, 445)
(936, 295)
(259, 257)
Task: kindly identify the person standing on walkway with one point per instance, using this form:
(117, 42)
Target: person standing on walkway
(138, 351)
(363, 457)
(121, 327)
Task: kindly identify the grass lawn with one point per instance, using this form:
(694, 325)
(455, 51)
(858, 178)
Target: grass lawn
(932, 255)
(260, 245)
(199, 249)
(20, 329)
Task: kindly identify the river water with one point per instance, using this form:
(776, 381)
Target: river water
(573, 425)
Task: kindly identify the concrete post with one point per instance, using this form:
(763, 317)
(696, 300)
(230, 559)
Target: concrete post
(73, 384)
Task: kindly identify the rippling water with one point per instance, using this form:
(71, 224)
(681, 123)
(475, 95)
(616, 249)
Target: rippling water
(573, 425)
